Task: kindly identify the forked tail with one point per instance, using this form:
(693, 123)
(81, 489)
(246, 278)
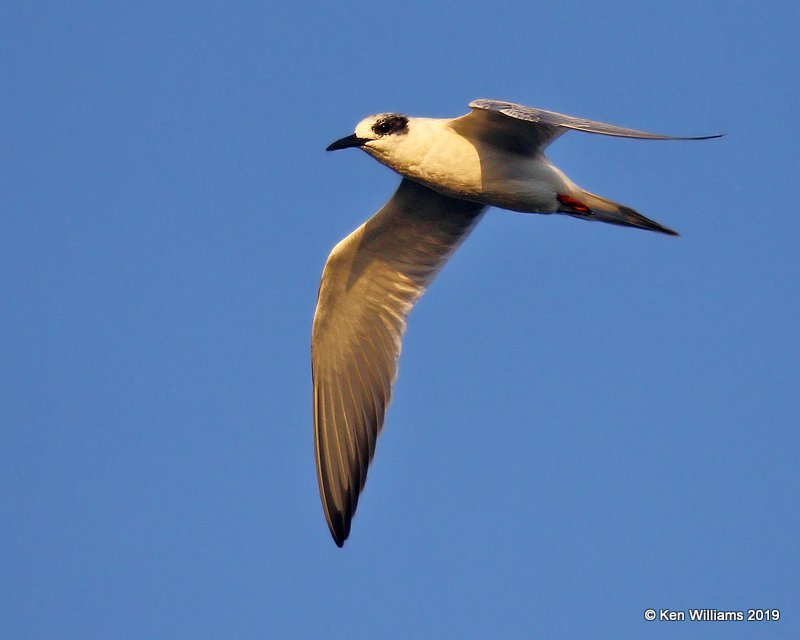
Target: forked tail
(589, 206)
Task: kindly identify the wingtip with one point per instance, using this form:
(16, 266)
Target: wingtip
(339, 527)
(339, 536)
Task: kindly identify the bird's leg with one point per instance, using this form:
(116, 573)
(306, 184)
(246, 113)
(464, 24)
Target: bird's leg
(572, 206)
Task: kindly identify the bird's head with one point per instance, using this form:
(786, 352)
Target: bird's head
(378, 135)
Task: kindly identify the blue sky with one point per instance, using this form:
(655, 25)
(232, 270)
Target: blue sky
(588, 421)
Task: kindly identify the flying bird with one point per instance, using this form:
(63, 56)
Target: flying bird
(451, 169)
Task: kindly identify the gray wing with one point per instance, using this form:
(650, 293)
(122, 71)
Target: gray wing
(548, 125)
(370, 283)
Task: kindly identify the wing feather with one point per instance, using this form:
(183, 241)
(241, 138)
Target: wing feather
(539, 127)
(369, 285)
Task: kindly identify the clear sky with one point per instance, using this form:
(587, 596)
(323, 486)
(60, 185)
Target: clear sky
(589, 421)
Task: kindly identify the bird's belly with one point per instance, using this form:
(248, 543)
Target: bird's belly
(525, 187)
(528, 184)
(530, 196)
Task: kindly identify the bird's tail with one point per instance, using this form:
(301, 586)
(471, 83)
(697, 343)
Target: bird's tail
(592, 207)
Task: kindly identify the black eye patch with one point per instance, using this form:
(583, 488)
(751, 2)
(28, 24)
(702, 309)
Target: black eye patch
(391, 124)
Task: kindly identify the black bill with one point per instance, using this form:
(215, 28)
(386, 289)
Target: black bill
(349, 141)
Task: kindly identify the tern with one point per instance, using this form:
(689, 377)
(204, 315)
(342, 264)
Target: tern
(452, 169)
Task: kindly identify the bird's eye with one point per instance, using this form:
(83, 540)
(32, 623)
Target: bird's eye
(390, 124)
